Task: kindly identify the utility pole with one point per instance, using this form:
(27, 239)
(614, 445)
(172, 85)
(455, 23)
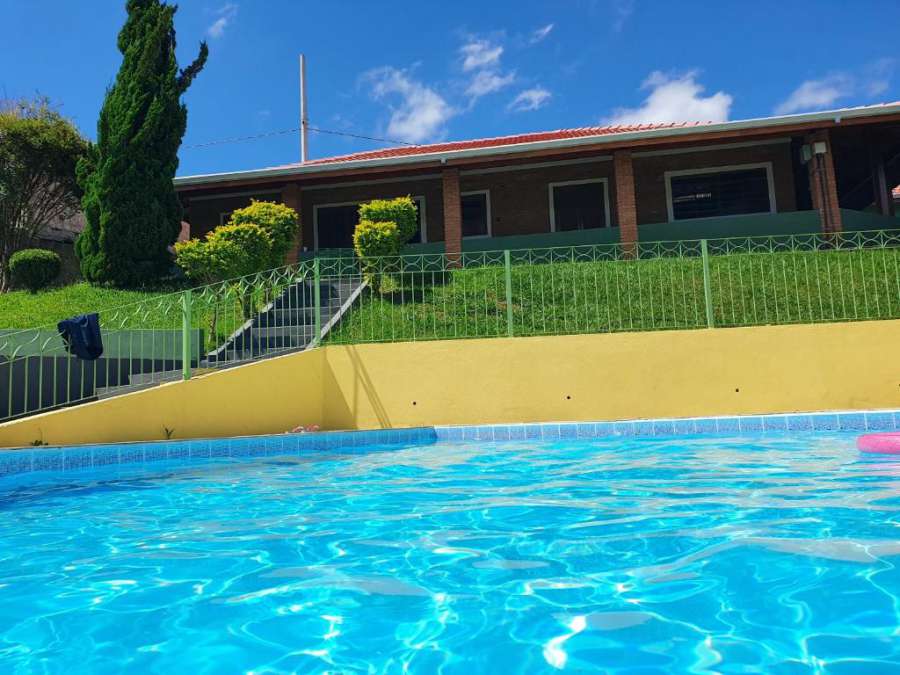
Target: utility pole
(304, 120)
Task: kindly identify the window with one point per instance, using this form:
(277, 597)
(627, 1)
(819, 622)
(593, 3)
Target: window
(723, 191)
(476, 214)
(334, 224)
(578, 205)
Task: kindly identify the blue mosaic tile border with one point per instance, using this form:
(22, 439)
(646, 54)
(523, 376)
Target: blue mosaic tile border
(874, 420)
(93, 456)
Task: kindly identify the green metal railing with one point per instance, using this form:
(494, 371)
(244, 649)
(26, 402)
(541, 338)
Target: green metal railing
(606, 288)
(564, 290)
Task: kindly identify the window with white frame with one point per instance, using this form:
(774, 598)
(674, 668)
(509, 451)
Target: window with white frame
(579, 205)
(334, 224)
(476, 213)
(720, 191)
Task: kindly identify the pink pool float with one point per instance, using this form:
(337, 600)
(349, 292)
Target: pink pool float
(887, 443)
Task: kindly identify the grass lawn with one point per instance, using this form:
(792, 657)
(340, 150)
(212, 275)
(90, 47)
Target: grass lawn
(21, 309)
(158, 309)
(662, 293)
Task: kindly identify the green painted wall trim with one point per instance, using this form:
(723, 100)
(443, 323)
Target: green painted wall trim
(753, 225)
(855, 221)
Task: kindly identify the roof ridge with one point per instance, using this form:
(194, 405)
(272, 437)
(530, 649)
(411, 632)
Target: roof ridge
(493, 141)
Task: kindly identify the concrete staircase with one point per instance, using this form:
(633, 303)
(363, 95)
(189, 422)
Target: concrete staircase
(285, 325)
(288, 323)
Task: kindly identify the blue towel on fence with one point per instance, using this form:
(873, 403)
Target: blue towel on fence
(82, 336)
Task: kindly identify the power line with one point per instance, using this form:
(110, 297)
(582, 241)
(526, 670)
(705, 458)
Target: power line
(282, 132)
(367, 138)
(239, 139)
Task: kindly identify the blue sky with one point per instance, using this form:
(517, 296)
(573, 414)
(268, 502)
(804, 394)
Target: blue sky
(427, 71)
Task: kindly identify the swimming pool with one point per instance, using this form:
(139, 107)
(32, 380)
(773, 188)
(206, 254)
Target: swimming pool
(698, 553)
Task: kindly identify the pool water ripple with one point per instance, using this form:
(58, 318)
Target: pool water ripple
(692, 554)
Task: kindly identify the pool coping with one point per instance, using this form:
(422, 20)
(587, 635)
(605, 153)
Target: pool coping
(63, 459)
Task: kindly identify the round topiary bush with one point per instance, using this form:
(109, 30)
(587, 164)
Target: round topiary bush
(34, 268)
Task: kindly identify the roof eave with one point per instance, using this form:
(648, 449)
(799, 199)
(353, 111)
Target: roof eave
(276, 173)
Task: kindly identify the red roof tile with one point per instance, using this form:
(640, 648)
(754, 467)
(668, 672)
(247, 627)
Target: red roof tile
(497, 142)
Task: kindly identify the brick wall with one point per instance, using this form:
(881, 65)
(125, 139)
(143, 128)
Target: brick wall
(650, 184)
(626, 208)
(821, 170)
(452, 211)
(204, 214)
(520, 200)
(430, 189)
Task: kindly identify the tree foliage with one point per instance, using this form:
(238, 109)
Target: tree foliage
(401, 211)
(131, 209)
(39, 150)
(375, 244)
(280, 221)
(228, 252)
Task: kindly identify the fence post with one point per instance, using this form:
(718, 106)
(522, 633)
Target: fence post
(507, 273)
(186, 335)
(317, 302)
(707, 287)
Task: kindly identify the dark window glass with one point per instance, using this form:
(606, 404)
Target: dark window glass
(336, 225)
(579, 207)
(720, 194)
(474, 215)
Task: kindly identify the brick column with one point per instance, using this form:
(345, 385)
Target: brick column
(626, 206)
(452, 214)
(290, 196)
(823, 184)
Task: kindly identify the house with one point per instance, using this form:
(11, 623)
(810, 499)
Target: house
(825, 171)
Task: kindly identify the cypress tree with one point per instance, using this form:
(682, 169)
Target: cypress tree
(132, 213)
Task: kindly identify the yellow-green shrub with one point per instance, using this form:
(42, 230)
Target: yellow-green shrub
(279, 221)
(252, 241)
(373, 241)
(229, 251)
(401, 211)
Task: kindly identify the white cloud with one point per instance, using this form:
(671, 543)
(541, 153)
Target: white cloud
(530, 99)
(487, 82)
(480, 54)
(421, 114)
(816, 94)
(622, 9)
(675, 99)
(541, 33)
(877, 76)
(872, 80)
(481, 58)
(226, 14)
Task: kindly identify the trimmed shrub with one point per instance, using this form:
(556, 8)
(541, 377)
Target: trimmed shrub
(376, 239)
(195, 259)
(372, 241)
(279, 221)
(228, 252)
(401, 211)
(251, 241)
(34, 268)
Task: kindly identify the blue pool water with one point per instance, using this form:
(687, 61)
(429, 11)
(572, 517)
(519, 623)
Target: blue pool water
(696, 554)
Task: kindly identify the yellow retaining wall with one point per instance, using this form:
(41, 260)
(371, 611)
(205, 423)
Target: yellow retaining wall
(766, 369)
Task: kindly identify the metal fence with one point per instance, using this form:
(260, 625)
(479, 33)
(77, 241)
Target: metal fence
(625, 287)
(579, 289)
